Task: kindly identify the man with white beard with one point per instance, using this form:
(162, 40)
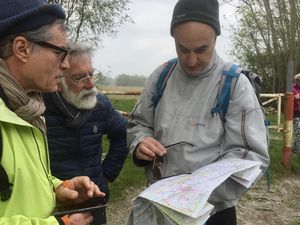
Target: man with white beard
(77, 117)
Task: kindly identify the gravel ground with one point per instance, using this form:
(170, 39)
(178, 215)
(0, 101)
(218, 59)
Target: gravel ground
(280, 206)
(118, 212)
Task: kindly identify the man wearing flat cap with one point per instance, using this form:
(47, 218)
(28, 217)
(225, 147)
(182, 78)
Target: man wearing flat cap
(33, 55)
(183, 119)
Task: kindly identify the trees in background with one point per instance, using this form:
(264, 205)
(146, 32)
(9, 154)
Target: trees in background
(130, 80)
(266, 39)
(101, 80)
(89, 20)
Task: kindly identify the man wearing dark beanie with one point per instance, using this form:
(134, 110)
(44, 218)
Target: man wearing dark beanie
(180, 111)
(33, 55)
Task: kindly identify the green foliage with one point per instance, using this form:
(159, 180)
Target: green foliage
(275, 150)
(131, 177)
(266, 40)
(295, 164)
(101, 80)
(125, 105)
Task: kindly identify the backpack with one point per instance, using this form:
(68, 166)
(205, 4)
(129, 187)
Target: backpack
(223, 98)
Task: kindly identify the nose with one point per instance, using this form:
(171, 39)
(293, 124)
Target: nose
(90, 83)
(192, 59)
(64, 65)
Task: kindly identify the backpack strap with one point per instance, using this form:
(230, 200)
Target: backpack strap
(5, 189)
(224, 96)
(223, 99)
(162, 81)
(5, 186)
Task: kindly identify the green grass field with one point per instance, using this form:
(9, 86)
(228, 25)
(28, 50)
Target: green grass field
(132, 176)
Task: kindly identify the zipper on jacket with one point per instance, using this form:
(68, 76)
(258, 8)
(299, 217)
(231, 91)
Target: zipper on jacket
(79, 152)
(47, 172)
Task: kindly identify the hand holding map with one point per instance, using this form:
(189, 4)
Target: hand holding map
(183, 198)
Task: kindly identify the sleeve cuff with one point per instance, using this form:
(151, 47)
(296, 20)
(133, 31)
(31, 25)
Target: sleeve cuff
(63, 220)
(139, 162)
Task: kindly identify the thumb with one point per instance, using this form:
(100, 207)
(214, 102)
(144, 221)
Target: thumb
(69, 190)
(65, 191)
(70, 194)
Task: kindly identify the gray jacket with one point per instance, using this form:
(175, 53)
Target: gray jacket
(184, 114)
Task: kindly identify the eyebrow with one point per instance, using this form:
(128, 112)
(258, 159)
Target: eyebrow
(82, 74)
(200, 48)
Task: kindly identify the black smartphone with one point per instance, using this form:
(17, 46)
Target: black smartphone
(97, 206)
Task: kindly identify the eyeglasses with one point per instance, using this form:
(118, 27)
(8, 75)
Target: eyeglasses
(58, 50)
(157, 167)
(159, 160)
(82, 79)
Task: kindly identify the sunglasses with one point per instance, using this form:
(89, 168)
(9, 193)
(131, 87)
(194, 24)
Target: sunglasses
(158, 161)
(58, 50)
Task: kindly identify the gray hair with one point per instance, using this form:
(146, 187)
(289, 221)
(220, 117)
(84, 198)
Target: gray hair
(297, 77)
(41, 34)
(76, 50)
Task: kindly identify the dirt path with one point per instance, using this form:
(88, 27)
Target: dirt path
(280, 206)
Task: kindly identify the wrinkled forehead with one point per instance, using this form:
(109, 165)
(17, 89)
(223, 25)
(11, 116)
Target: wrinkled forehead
(58, 36)
(80, 64)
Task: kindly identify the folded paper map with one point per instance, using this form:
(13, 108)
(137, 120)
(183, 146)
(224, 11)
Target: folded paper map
(183, 199)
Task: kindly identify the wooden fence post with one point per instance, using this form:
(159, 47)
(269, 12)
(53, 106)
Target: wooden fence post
(288, 129)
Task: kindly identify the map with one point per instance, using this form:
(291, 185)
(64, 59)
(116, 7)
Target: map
(183, 199)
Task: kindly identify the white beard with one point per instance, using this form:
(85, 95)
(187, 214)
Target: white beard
(86, 99)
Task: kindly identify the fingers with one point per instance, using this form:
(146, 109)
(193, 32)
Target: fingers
(84, 189)
(69, 189)
(148, 148)
(64, 194)
(81, 181)
(94, 191)
(91, 189)
(71, 194)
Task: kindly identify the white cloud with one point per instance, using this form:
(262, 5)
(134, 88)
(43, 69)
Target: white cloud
(140, 47)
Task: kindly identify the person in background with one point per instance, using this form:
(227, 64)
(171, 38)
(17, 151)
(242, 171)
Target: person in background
(183, 119)
(296, 120)
(77, 118)
(33, 55)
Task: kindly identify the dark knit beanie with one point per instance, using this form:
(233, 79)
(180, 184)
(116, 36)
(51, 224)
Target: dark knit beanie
(203, 11)
(17, 16)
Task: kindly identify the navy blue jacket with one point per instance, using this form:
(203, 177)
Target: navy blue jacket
(75, 140)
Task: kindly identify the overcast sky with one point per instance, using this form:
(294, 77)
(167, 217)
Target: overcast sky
(141, 46)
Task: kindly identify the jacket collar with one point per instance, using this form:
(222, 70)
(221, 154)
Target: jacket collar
(74, 117)
(207, 70)
(10, 117)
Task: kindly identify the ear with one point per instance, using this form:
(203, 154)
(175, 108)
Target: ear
(21, 48)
